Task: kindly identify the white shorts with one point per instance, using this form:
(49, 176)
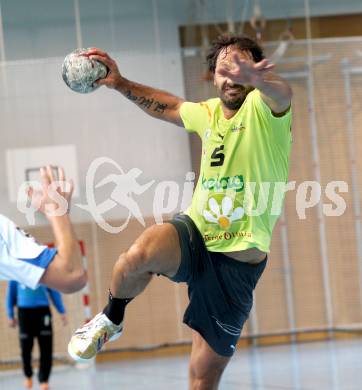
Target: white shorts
(21, 257)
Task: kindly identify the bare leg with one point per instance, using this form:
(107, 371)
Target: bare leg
(157, 250)
(206, 366)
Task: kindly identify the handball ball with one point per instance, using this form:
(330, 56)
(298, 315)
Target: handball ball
(80, 72)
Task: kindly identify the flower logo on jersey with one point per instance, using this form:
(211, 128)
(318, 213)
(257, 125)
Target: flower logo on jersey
(225, 215)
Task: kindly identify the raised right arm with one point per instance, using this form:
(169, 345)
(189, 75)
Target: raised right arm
(65, 272)
(155, 102)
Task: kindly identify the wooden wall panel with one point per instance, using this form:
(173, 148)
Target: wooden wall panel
(321, 27)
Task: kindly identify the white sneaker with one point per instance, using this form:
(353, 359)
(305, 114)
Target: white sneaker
(88, 340)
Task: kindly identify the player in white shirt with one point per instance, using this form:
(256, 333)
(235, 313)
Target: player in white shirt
(25, 260)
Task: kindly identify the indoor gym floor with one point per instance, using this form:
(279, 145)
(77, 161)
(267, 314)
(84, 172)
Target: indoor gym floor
(333, 365)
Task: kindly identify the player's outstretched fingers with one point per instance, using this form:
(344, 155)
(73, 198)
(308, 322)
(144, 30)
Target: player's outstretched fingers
(50, 173)
(264, 65)
(97, 52)
(45, 180)
(61, 174)
(66, 188)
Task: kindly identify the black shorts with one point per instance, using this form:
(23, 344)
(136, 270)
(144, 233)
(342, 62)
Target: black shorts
(35, 321)
(220, 288)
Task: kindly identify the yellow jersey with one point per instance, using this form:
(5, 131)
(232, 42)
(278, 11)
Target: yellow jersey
(243, 172)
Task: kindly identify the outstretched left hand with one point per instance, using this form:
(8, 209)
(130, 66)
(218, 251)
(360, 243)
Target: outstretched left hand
(246, 72)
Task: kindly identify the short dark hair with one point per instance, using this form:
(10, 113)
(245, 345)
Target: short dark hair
(242, 42)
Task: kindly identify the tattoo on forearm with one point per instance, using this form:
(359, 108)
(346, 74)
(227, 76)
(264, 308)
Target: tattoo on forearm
(131, 97)
(150, 104)
(160, 107)
(142, 101)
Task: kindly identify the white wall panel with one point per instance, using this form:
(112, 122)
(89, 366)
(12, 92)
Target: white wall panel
(40, 110)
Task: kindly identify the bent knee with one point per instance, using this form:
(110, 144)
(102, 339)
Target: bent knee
(137, 253)
(136, 259)
(155, 251)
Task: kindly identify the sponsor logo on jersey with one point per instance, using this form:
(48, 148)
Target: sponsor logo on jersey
(223, 213)
(236, 128)
(223, 183)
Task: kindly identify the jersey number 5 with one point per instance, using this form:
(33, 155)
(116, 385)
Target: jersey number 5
(218, 156)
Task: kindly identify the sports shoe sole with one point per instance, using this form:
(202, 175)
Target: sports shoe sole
(79, 359)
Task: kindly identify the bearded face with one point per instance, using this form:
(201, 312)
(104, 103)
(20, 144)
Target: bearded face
(232, 95)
